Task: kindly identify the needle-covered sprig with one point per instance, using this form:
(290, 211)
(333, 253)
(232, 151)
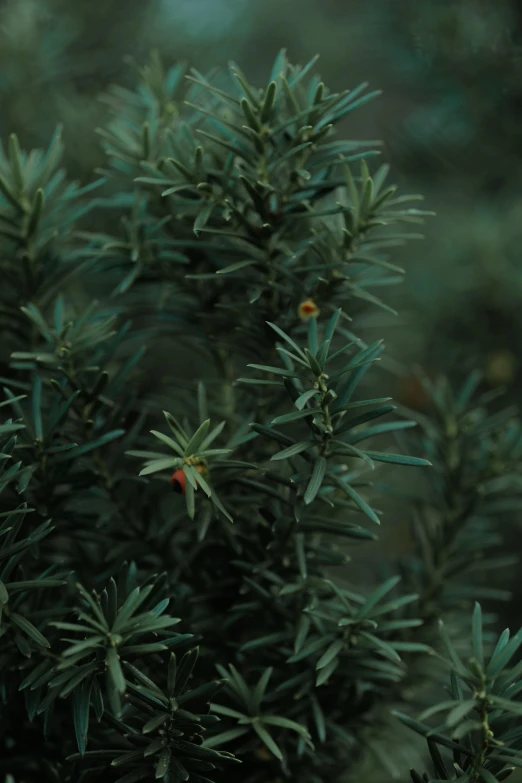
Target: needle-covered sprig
(251, 716)
(163, 731)
(193, 456)
(320, 383)
(121, 624)
(480, 722)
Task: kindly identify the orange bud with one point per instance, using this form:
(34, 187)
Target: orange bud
(308, 309)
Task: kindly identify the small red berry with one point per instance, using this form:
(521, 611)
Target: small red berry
(178, 479)
(178, 482)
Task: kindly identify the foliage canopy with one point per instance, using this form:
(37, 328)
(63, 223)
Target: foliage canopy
(189, 317)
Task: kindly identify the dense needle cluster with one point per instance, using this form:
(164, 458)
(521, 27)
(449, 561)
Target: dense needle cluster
(188, 322)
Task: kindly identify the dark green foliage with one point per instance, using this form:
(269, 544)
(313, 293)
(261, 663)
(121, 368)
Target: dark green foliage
(162, 729)
(235, 240)
(481, 719)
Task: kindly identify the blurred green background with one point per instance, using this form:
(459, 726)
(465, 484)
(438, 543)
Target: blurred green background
(450, 119)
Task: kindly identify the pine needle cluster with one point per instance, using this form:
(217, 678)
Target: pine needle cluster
(188, 450)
